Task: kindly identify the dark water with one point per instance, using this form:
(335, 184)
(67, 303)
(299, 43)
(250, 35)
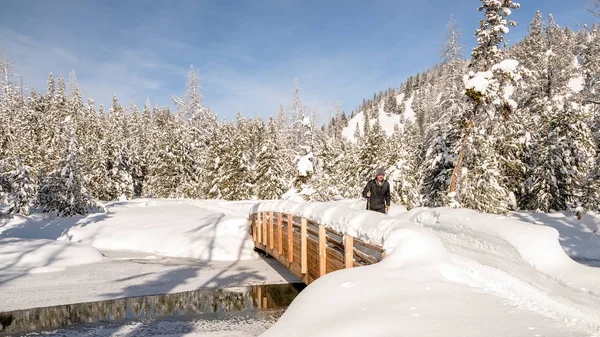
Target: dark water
(248, 300)
(588, 262)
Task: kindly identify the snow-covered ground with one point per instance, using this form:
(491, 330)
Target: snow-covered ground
(139, 247)
(449, 273)
(580, 239)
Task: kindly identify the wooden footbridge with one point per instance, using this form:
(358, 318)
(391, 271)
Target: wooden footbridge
(308, 249)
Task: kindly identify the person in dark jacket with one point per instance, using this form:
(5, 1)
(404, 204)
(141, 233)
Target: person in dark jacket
(377, 193)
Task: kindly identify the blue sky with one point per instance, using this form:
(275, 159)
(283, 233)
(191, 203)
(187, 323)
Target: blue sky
(247, 52)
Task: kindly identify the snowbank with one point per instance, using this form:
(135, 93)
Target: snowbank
(35, 256)
(450, 272)
(580, 239)
(199, 230)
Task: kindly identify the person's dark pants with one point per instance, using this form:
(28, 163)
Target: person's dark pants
(380, 210)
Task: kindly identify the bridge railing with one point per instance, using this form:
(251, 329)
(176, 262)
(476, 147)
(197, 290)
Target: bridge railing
(310, 250)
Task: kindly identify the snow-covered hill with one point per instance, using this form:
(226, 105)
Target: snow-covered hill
(387, 120)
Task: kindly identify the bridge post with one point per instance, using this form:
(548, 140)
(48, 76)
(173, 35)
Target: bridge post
(271, 231)
(265, 230)
(322, 250)
(348, 251)
(279, 234)
(290, 230)
(253, 227)
(258, 228)
(303, 247)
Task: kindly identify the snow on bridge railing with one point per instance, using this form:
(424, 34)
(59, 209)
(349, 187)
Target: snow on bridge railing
(305, 245)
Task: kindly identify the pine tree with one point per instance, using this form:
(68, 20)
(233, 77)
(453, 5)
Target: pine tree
(565, 154)
(214, 161)
(405, 161)
(372, 146)
(481, 184)
(452, 49)
(490, 33)
(235, 179)
(119, 155)
(63, 190)
(22, 189)
(271, 182)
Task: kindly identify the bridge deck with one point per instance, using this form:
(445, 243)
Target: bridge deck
(308, 249)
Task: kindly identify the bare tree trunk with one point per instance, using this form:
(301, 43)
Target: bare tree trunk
(461, 156)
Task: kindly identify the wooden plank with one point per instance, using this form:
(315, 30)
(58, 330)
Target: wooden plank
(259, 228)
(271, 231)
(348, 251)
(279, 233)
(322, 251)
(290, 223)
(253, 227)
(303, 248)
(265, 233)
(366, 257)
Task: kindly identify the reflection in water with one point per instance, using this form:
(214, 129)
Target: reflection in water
(253, 298)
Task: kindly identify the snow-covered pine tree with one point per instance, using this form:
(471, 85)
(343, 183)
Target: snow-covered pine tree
(119, 156)
(373, 147)
(63, 190)
(438, 164)
(405, 156)
(200, 119)
(591, 90)
(213, 164)
(452, 49)
(171, 166)
(482, 185)
(255, 134)
(187, 159)
(555, 178)
(565, 154)
(75, 107)
(490, 34)
(136, 129)
(235, 183)
(333, 178)
(52, 147)
(271, 181)
(95, 153)
(442, 136)
(22, 189)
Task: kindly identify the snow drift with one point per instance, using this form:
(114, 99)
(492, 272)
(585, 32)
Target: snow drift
(200, 230)
(34, 256)
(450, 272)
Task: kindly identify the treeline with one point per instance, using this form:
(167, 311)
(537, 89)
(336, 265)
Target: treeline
(505, 130)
